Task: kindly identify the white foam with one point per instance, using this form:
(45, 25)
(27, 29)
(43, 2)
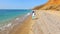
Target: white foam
(17, 18)
(28, 13)
(8, 25)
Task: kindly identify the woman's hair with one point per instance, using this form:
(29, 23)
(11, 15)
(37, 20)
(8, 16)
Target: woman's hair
(33, 12)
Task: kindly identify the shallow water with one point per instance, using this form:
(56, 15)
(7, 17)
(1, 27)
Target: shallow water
(12, 18)
(7, 15)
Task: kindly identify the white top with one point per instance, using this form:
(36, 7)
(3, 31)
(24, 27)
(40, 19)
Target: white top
(33, 14)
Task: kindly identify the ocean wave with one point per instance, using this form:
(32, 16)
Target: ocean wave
(14, 22)
(5, 26)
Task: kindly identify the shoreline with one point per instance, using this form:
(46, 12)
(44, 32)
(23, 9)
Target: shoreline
(20, 27)
(42, 25)
(14, 23)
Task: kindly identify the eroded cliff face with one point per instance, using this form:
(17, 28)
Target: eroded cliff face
(50, 5)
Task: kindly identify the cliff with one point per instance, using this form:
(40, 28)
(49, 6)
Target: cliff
(50, 5)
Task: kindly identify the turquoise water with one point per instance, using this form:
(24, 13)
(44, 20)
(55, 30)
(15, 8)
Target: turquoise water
(8, 14)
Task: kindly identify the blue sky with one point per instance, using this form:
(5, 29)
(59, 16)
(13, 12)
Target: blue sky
(20, 4)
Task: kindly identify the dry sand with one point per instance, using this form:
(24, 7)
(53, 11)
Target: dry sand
(49, 21)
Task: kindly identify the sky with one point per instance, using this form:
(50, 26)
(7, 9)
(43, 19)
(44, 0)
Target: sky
(20, 4)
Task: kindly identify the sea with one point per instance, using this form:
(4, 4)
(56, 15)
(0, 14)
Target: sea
(9, 14)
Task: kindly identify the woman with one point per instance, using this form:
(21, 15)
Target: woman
(33, 15)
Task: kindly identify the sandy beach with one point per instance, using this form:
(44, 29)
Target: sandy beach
(48, 22)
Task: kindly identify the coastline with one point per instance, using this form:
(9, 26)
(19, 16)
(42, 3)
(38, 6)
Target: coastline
(22, 28)
(15, 23)
(46, 20)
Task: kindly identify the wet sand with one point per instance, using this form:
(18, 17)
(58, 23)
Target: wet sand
(27, 27)
(22, 28)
